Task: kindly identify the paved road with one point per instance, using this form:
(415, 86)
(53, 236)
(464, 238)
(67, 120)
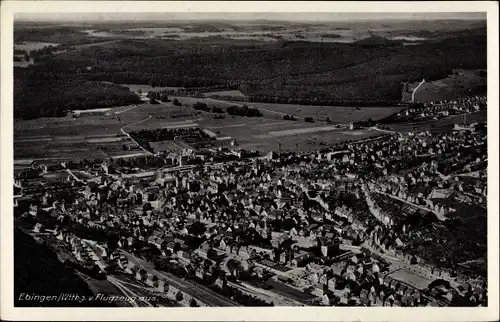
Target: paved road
(415, 90)
(196, 290)
(126, 110)
(73, 175)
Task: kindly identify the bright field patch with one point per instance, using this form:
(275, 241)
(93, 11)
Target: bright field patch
(104, 140)
(299, 131)
(337, 114)
(233, 93)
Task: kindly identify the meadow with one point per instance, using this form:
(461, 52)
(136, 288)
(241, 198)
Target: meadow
(103, 136)
(69, 138)
(459, 83)
(336, 114)
(28, 46)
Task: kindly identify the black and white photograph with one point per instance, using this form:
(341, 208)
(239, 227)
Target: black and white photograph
(250, 159)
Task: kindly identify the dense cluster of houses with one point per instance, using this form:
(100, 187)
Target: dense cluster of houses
(319, 222)
(443, 109)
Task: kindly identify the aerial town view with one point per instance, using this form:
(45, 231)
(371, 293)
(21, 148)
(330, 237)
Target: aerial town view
(211, 160)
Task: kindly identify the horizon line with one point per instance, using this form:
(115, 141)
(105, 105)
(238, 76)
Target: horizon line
(311, 17)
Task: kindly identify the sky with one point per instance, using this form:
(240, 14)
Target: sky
(309, 17)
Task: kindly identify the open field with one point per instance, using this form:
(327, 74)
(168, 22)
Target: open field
(102, 136)
(233, 93)
(56, 176)
(337, 114)
(33, 45)
(24, 63)
(69, 138)
(460, 83)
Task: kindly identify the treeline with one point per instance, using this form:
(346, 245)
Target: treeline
(157, 96)
(39, 93)
(243, 111)
(238, 110)
(48, 50)
(199, 106)
(289, 117)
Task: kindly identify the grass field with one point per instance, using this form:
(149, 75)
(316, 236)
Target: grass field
(103, 136)
(338, 115)
(56, 176)
(460, 83)
(69, 138)
(23, 63)
(33, 45)
(233, 93)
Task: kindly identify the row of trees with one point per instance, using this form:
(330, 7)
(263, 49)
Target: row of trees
(289, 117)
(199, 106)
(48, 50)
(243, 110)
(157, 96)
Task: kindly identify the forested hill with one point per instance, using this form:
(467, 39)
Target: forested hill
(40, 92)
(333, 73)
